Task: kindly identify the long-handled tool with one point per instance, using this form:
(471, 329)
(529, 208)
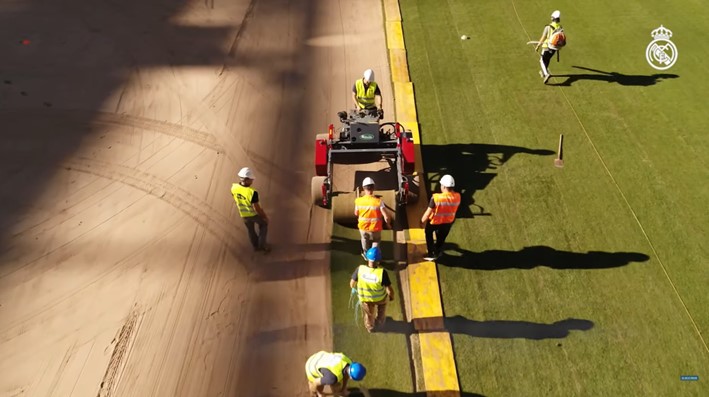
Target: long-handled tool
(559, 160)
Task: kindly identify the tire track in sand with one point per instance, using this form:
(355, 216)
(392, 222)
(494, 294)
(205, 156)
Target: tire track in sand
(124, 342)
(200, 211)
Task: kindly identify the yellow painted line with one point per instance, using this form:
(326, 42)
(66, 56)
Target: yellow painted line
(438, 363)
(391, 10)
(395, 36)
(399, 66)
(425, 295)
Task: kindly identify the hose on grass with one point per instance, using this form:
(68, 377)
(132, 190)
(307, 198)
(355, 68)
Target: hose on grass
(355, 304)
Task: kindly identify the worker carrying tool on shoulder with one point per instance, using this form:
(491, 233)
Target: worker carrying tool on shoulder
(439, 217)
(248, 203)
(366, 93)
(334, 370)
(370, 210)
(552, 40)
(372, 285)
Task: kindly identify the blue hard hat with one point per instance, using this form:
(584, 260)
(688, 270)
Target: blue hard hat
(357, 371)
(373, 254)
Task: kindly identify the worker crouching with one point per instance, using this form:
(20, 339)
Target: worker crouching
(331, 369)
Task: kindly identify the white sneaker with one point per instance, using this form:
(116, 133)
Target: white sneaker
(546, 78)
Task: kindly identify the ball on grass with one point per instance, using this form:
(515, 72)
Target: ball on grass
(464, 37)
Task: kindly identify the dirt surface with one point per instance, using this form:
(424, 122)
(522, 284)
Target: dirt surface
(124, 268)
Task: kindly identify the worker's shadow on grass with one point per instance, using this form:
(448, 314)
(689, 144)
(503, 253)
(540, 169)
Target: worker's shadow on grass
(612, 77)
(472, 165)
(499, 329)
(355, 392)
(531, 257)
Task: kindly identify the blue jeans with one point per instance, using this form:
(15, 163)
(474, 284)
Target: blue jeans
(258, 240)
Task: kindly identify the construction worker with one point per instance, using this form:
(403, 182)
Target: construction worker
(553, 38)
(370, 210)
(372, 285)
(247, 201)
(439, 217)
(331, 369)
(366, 93)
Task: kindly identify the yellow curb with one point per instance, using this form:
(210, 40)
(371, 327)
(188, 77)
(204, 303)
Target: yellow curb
(439, 370)
(438, 362)
(391, 10)
(399, 66)
(405, 103)
(425, 295)
(395, 35)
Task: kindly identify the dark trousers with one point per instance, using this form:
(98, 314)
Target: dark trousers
(258, 240)
(441, 232)
(547, 54)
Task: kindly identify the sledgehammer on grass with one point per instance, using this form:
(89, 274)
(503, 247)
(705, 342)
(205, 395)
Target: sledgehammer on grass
(559, 160)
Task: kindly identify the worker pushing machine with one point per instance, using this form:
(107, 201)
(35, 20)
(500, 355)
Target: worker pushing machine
(248, 203)
(334, 370)
(370, 211)
(372, 285)
(439, 217)
(366, 94)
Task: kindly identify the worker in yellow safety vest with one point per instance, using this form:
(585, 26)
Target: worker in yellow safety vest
(370, 211)
(366, 93)
(372, 285)
(331, 369)
(248, 204)
(439, 217)
(552, 40)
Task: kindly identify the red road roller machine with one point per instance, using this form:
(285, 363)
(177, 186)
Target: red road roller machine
(363, 142)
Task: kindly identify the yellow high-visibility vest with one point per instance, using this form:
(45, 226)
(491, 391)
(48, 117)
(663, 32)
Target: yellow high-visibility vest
(243, 196)
(334, 362)
(553, 26)
(365, 98)
(369, 284)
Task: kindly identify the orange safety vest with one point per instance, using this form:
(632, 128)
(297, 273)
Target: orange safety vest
(369, 211)
(446, 207)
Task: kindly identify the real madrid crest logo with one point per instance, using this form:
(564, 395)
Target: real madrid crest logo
(661, 53)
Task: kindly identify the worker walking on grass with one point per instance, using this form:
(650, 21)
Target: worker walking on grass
(372, 285)
(552, 40)
(439, 217)
(366, 93)
(370, 210)
(247, 201)
(331, 369)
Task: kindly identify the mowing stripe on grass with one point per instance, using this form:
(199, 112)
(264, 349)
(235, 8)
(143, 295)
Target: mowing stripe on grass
(436, 350)
(625, 200)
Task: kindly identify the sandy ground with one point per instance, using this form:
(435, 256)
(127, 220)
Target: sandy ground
(124, 268)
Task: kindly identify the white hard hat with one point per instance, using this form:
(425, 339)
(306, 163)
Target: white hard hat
(556, 14)
(367, 182)
(447, 181)
(246, 173)
(369, 75)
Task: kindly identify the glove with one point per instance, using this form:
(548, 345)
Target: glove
(380, 113)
